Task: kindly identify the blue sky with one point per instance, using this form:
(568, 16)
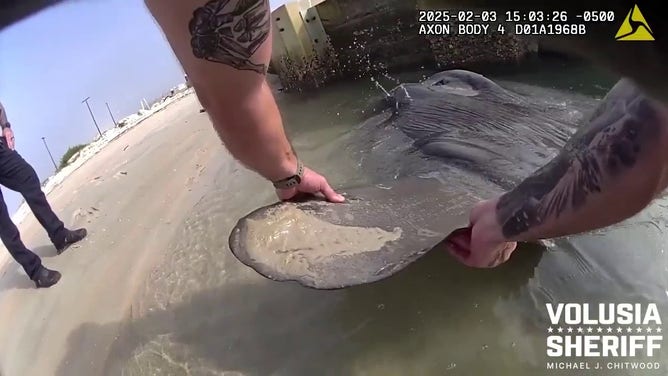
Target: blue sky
(109, 50)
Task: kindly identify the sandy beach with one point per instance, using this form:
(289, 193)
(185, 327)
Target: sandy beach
(132, 196)
(154, 288)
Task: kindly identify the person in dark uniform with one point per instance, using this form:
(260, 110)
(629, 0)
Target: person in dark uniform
(18, 175)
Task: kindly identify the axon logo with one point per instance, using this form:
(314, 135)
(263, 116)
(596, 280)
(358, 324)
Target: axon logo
(603, 330)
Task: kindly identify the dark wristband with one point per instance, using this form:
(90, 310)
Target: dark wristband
(293, 180)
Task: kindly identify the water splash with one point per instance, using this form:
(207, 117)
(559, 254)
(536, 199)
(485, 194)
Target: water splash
(378, 85)
(395, 80)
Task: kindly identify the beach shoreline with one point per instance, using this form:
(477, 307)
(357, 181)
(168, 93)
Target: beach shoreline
(94, 147)
(86, 154)
(132, 191)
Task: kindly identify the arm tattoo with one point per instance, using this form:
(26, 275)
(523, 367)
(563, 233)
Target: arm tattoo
(230, 32)
(619, 130)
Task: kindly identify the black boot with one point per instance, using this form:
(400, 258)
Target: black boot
(71, 237)
(44, 277)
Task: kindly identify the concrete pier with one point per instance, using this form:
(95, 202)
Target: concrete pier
(316, 42)
(302, 55)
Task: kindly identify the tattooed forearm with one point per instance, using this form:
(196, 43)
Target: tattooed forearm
(625, 126)
(230, 32)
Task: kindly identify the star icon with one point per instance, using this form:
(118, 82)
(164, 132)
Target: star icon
(639, 330)
(570, 330)
(649, 330)
(658, 330)
(609, 330)
(549, 330)
(560, 330)
(589, 330)
(629, 330)
(599, 330)
(580, 330)
(619, 330)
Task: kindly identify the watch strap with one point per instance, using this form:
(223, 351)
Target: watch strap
(293, 180)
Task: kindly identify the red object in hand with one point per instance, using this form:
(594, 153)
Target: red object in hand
(459, 241)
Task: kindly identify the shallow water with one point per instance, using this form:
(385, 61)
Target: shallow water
(203, 313)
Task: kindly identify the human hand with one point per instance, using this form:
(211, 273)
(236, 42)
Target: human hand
(9, 137)
(481, 245)
(312, 183)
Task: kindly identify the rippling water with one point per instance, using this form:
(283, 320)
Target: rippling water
(203, 313)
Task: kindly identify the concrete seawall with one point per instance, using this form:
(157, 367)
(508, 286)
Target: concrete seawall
(317, 42)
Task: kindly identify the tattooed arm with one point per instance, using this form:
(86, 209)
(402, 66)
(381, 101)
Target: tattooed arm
(611, 169)
(225, 46)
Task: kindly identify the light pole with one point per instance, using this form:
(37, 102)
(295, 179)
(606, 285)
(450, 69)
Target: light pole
(91, 115)
(110, 114)
(49, 151)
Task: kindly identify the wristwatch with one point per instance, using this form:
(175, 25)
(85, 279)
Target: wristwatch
(293, 180)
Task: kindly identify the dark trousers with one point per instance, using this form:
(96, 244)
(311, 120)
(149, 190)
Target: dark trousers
(17, 175)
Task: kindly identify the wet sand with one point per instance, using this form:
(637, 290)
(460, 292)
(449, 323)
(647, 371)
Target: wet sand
(132, 197)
